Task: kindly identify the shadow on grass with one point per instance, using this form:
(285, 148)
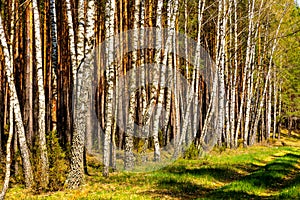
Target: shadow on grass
(296, 137)
(280, 179)
(177, 187)
(291, 189)
(173, 188)
(273, 177)
(221, 174)
(276, 177)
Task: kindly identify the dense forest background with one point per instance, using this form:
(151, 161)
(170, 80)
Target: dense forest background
(66, 94)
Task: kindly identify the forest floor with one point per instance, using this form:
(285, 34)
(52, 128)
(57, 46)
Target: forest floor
(266, 171)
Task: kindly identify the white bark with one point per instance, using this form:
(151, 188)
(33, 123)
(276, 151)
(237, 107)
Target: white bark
(75, 176)
(246, 67)
(261, 104)
(129, 157)
(71, 33)
(11, 116)
(269, 109)
(156, 80)
(41, 97)
(250, 80)
(109, 32)
(185, 40)
(18, 118)
(233, 86)
(8, 153)
(220, 63)
(201, 6)
(81, 86)
(275, 103)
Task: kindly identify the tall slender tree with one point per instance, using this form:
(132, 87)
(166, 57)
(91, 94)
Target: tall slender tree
(41, 98)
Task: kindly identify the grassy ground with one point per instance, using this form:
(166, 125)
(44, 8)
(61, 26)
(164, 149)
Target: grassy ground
(259, 172)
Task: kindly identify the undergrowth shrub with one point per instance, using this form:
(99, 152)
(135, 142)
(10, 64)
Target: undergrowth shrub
(192, 152)
(58, 166)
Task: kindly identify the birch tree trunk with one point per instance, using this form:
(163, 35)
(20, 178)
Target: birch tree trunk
(185, 40)
(109, 32)
(11, 114)
(220, 63)
(246, 68)
(87, 85)
(275, 103)
(269, 109)
(41, 97)
(8, 153)
(76, 175)
(201, 6)
(173, 9)
(156, 80)
(129, 157)
(261, 103)
(233, 86)
(18, 117)
(71, 33)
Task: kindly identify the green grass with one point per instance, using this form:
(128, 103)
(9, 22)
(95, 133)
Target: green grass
(259, 172)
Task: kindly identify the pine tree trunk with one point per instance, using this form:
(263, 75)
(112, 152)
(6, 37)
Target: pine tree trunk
(54, 58)
(29, 75)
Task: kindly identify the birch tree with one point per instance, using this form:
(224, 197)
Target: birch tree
(76, 175)
(220, 62)
(27, 169)
(246, 67)
(109, 72)
(129, 157)
(233, 85)
(42, 105)
(156, 80)
(8, 153)
(201, 7)
(261, 102)
(11, 114)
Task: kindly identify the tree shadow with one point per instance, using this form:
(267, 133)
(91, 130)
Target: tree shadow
(221, 174)
(241, 181)
(271, 177)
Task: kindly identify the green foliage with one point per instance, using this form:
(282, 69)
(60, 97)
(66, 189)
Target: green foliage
(288, 61)
(192, 152)
(57, 162)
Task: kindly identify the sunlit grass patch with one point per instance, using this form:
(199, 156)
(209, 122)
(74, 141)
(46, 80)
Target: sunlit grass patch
(258, 172)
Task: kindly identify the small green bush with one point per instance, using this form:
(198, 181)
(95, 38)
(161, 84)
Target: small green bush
(58, 166)
(192, 152)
